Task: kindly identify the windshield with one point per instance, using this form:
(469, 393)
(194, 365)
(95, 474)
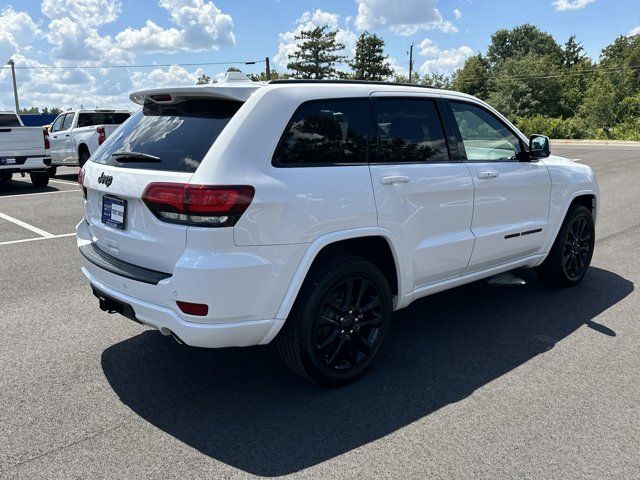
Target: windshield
(9, 120)
(180, 135)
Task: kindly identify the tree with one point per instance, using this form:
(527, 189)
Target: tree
(525, 86)
(521, 41)
(599, 105)
(370, 62)
(262, 76)
(573, 53)
(316, 55)
(473, 77)
(29, 111)
(203, 79)
(234, 69)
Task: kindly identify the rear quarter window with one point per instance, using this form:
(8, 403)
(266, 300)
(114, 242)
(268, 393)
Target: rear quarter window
(179, 135)
(325, 132)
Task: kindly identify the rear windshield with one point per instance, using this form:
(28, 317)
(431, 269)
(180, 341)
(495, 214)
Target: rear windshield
(9, 120)
(179, 135)
(102, 118)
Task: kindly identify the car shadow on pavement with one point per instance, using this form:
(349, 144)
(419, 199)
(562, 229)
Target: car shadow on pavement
(15, 187)
(242, 407)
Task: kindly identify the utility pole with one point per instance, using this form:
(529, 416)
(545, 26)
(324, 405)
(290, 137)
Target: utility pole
(410, 61)
(267, 69)
(15, 87)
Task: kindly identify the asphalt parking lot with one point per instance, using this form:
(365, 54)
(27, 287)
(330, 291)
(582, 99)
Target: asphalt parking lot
(478, 382)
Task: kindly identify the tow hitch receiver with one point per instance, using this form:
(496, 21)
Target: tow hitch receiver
(111, 305)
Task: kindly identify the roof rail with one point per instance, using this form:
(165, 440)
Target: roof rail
(349, 82)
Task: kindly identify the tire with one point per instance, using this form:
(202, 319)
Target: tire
(52, 171)
(39, 179)
(572, 250)
(84, 156)
(5, 176)
(332, 341)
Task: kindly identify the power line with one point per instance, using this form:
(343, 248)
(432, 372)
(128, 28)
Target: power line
(149, 65)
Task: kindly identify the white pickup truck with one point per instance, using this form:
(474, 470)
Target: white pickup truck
(76, 134)
(23, 150)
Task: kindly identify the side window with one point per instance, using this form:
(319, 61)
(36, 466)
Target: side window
(484, 136)
(408, 130)
(57, 125)
(67, 121)
(325, 132)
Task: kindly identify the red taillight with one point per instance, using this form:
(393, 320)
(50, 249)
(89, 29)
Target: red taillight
(102, 136)
(199, 309)
(198, 205)
(47, 144)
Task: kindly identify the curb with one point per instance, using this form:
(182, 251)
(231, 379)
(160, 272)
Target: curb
(619, 143)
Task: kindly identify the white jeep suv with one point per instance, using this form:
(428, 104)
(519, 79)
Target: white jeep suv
(306, 212)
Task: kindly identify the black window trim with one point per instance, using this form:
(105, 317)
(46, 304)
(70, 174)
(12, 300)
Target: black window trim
(277, 164)
(462, 153)
(445, 129)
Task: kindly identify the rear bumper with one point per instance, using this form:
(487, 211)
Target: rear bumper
(236, 334)
(27, 164)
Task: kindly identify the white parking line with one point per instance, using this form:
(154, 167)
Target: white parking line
(68, 182)
(37, 238)
(20, 195)
(37, 230)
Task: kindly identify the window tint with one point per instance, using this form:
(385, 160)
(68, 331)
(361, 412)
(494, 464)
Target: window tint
(325, 132)
(57, 125)
(408, 130)
(180, 135)
(101, 118)
(484, 136)
(9, 120)
(68, 120)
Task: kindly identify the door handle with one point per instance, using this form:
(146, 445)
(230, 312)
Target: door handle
(488, 174)
(394, 179)
(66, 135)
(55, 136)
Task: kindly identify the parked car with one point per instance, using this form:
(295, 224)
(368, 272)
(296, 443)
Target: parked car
(23, 150)
(306, 212)
(75, 135)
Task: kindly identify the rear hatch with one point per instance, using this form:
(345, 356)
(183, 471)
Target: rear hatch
(163, 143)
(19, 141)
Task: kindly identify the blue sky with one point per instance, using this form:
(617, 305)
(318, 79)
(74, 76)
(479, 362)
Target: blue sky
(95, 33)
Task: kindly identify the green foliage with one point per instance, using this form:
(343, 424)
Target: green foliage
(316, 55)
(554, 127)
(525, 86)
(473, 77)
(522, 41)
(203, 79)
(262, 76)
(370, 62)
(36, 110)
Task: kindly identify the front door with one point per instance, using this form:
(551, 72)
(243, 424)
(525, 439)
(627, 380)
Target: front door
(511, 203)
(57, 141)
(422, 197)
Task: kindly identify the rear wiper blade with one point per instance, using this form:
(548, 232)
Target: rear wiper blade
(127, 156)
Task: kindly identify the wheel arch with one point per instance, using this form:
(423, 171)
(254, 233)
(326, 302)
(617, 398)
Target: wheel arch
(367, 242)
(83, 146)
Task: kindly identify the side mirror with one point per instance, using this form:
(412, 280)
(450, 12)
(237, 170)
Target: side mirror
(539, 147)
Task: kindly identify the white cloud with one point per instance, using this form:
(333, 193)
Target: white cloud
(457, 14)
(444, 61)
(634, 31)
(17, 32)
(87, 12)
(404, 17)
(175, 75)
(308, 21)
(202, 26)
(563, 5)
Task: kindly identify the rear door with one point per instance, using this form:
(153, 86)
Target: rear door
(166, 143)
(421, 195)
(57, 141)
(512, 194)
